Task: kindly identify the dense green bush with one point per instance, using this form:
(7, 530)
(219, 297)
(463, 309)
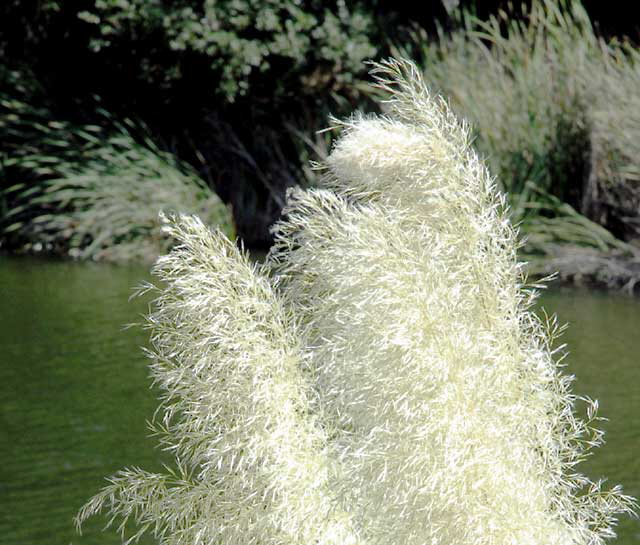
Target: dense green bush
(240, 39)
(275, 50)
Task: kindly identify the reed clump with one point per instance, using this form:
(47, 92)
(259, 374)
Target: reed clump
(94, 193)
(381, 378)
(555, 113)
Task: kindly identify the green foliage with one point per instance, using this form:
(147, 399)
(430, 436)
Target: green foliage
(239, 38)
(94, 193)
(253, 67)
(555, 110)
(191, 68)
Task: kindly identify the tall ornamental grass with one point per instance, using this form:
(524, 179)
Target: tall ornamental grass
(556, 111)
(381, 379)
(93, 193)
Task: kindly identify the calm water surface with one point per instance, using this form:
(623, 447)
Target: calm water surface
(75, 394)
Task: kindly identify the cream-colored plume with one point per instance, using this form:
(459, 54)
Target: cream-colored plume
(456, 424)
(251, 461)
(381, 380)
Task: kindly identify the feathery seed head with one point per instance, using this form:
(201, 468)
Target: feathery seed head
(381, 379)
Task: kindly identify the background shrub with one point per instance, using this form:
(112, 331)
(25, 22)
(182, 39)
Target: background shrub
(241, 101)
(240, 40)
(207, 81)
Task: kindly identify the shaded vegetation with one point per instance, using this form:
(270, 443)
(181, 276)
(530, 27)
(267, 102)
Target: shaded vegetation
(238, 90)
(218, 89)
(92, 192)
(556, 112)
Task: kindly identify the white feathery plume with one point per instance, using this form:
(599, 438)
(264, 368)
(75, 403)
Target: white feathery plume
(455, 423)
(381, 380)
(251, 461)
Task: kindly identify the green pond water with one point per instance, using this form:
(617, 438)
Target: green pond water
(75, 394)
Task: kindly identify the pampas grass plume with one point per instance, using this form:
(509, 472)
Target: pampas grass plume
(251, 466)
(381, 379)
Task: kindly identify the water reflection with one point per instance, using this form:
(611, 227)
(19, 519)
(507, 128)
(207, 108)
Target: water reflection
(74, 394)
(603, 339)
